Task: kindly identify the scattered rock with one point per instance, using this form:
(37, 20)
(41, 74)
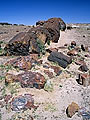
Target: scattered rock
(80, 62)
(72, 52)
(9, 78)
(72, 109)
(52, 50)
(57, 70)
(84, 79)
(82, 47)
(83, 68)
(69, 27)
(73, 43)
(22, 102)
(60, 58)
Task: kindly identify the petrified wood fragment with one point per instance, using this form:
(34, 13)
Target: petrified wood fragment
(28, 79)
(60, 58)
(18, 45)
(22, 102)
(22, 62)
(31, 79)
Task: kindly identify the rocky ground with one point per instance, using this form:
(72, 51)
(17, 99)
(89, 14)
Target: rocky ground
(62, 90)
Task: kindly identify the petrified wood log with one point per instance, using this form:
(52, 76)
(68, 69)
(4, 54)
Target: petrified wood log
(27, 79)
(33, 41)
(60, 58)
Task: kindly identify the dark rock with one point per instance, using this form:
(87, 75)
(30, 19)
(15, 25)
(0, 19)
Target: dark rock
(65, 44)
(82, 47)
(72, 109)
(40, 23)
(31, 79)
(83, 68)
(84, 79)
(50, 74)
(22, 102)
(73, 43)
(69, 27)
(18, 45)
(60, 58)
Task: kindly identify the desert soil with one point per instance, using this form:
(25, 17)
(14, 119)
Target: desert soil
(52, 105)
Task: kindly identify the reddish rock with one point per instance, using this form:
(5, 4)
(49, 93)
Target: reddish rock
(51, 50)
(80, 62)
(34, 56)
(73, 43)
(72, 109)
(84, 79)
(50, 74)
(57, 70)
(72, 52)
(27, 79)
(31, 79)
(23, 62)
(22, 102)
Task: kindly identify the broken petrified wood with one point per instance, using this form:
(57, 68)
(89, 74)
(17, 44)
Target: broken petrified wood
(31, 79)
(60, 58)
(27, 79)
(72, 109)
(22, 102)
(22, 62)
(18, 45)
(22, 43)
(84, 79)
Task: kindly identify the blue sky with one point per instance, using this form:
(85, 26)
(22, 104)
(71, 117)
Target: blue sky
(29, 11)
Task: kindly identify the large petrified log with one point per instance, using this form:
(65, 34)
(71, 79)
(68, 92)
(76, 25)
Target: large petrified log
(27, 79)
(60, 58)
(34, 40)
